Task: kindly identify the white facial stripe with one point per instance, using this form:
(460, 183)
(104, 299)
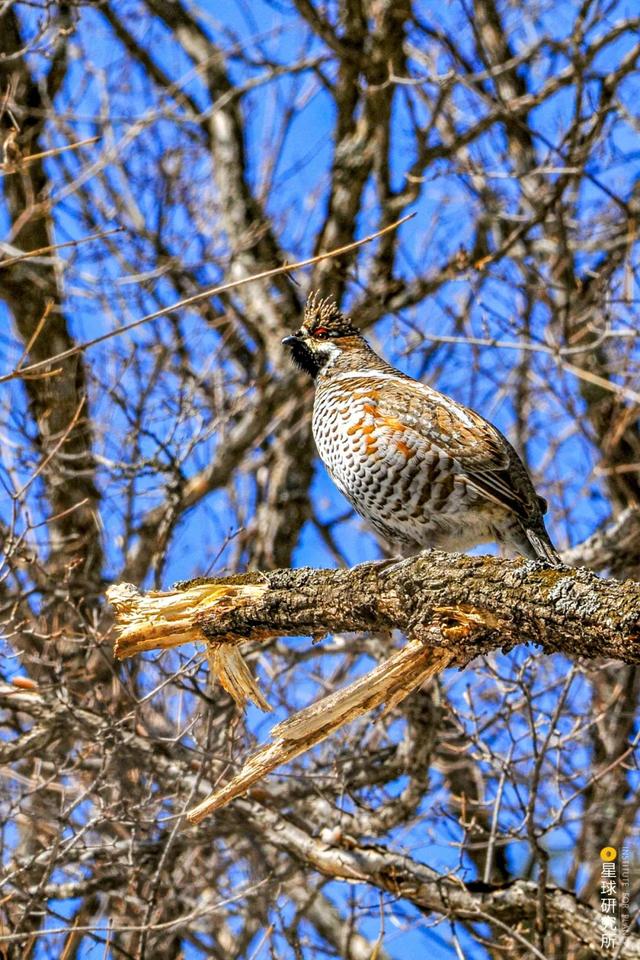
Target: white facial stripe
(327, 349)
(328, 352)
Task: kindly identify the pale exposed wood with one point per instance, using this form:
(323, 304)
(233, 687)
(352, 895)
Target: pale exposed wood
(390, 682)
(164, 619)
(451, 608)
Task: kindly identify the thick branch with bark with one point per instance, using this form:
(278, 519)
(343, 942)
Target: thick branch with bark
(451, 608)
(478, 603)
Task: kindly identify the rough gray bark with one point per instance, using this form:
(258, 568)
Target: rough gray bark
(450, 608)
(497, 603)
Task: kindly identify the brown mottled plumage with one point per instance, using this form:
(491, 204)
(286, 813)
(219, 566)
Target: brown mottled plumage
(421, 468)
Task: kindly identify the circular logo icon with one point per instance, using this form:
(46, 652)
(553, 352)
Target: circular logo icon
(608, 854)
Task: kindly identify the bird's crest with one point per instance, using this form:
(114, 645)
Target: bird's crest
(320, 312)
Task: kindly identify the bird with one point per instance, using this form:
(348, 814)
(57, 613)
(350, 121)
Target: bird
(424, 470)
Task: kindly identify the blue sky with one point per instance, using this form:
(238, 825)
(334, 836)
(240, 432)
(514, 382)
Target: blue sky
(480, 376)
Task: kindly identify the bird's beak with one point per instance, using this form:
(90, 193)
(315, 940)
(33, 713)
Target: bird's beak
(289, 341)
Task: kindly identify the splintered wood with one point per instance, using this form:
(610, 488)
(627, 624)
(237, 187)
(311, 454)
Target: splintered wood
(389, 683)
(158, 620)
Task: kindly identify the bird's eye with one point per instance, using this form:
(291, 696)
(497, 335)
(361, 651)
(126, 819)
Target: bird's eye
(321, 333)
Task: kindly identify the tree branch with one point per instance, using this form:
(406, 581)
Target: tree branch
(565, 610)
(450, 607)
(509, 903)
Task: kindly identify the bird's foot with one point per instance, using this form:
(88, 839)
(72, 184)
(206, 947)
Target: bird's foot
(397, 563)
(539, 565)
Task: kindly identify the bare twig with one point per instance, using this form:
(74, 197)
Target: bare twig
(205, 294)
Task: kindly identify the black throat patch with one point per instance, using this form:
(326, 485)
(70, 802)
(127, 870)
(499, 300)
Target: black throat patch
(306, 359)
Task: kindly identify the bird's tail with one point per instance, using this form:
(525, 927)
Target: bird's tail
(540, 547)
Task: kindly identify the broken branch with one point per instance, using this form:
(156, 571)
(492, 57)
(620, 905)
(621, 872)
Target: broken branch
(450, 607)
